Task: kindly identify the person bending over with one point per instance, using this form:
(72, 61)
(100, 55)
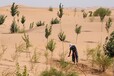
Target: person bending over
(74, 53)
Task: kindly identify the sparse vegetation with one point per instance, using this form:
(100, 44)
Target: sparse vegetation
(26, 40)
(109, 45)
(18, 14)
(60, 14)
(62, 38)
(24, 73)
(31, 25)
(3, 48)
(54, 72)
(14, 9)
(84, 15)
(35, 56)
(98, 57)
(102, 12)
(2, 19)
(23, 20)
(77, 31)
(51, 46)
(14, 28)
(48, 31)
(40, 23)
(108, 25)
(50, 9)
(55, 21)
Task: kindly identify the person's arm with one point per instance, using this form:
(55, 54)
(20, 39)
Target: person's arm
(69, 53)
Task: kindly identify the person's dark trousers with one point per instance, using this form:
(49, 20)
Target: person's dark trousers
(75, 57)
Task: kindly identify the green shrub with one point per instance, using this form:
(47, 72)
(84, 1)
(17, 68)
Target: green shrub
(84, 15)
(55, 21)
(24, 73)
(14, 28)
(14, 10)
(109, 45)
(103, 61)
(71, 74)
(35, 56)
(108, 25)
(102, 12)
(23, 20)
(62, 36)
(40, 23)
(51, 46)
(98, 57)
(60, 13)
(26, 40)
(77, 31)
(31, 25)
(54, 72)
(50, 9)
(48, 31)
(2, 19)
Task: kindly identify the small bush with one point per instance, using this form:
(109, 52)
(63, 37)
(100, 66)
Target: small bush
(35, 56)
(62, 36)
(40, 23)
(84, 15)
(55, 21)
(31, 25)
(26, 40)
(71, 74)
(14, 28)
(98, 57)
(55, 72)
(14, 9)
(108, 25)
(52, 72)
(50, 9)
(23, 20)
(2, 51)
(82, 10)
(48, 31)
(24, 73)
(102, 11)
(2, 19)
(60, 12)
(109, 45)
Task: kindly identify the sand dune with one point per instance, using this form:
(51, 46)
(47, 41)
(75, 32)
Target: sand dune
(89, 37)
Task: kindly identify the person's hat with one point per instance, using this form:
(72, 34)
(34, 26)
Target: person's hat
(70, 45)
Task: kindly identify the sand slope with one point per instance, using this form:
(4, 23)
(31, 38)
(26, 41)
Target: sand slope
(89, 37)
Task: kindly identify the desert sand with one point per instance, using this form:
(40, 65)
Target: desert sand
(90, 37)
